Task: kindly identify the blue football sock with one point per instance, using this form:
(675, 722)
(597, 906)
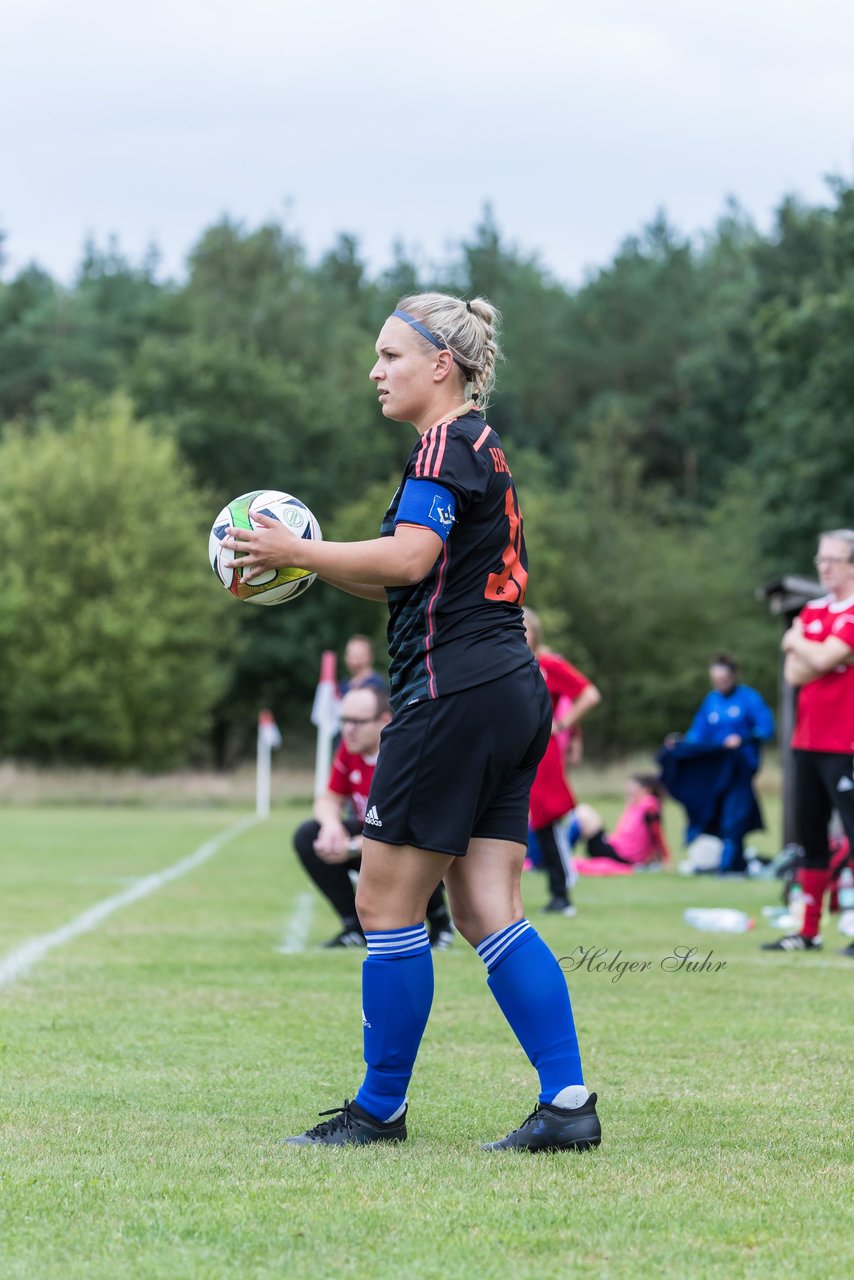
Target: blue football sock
(397, 992)
(531, 992)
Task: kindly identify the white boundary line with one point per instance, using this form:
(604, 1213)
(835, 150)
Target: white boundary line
(298, 926)
(17, 962)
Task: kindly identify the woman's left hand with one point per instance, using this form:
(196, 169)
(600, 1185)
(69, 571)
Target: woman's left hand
(273, 546)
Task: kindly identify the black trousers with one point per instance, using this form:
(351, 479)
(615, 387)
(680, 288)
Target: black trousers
(333, 878)
(553, 863)
(599, 846)
(824, 781)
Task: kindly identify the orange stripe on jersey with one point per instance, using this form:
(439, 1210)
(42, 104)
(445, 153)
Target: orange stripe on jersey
(441, 440)
(427, 452)
(481, 438)
(421, 456)
(431, 624)
(433, 434)
(428, 460)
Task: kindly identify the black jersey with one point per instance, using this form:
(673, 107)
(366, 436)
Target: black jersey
(461, 625)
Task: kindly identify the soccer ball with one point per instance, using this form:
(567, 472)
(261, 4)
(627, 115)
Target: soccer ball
(276, 586)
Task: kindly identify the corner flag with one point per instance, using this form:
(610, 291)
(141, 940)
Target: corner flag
(269, 740)
(324, 715)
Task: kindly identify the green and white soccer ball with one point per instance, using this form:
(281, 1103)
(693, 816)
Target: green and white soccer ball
(276, 586)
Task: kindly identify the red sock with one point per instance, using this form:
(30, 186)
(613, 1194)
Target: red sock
(813, 881)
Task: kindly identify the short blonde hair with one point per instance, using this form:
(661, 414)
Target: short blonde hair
(842, 535)
(469, 330)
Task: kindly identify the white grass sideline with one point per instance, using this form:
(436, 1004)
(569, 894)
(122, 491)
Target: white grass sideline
(298, 926)
(19, 961)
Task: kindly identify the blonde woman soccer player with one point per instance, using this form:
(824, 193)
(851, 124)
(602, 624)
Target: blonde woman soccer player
(472, 718)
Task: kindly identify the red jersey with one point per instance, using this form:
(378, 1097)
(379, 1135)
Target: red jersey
(351, 776)
(551, 796)
(825, 719)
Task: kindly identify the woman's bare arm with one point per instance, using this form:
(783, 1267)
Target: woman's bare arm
(401, 560)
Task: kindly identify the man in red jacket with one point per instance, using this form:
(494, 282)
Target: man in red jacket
(819, 649)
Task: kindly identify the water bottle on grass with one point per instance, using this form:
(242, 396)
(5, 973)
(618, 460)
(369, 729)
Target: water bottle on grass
(797, 906)
(780, 918)
(718, 919)
(846, 889)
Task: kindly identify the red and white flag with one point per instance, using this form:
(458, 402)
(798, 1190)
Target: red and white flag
(324, 711)
(268, 730)
(324, 715)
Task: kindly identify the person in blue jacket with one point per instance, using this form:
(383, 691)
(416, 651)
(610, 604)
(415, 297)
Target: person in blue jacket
(733, 717)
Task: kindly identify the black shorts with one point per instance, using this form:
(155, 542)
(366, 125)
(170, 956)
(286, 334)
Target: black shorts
(461, 766)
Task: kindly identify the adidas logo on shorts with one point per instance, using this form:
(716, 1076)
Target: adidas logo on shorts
(372, 818)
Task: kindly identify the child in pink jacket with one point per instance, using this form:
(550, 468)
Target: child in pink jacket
(638, 838)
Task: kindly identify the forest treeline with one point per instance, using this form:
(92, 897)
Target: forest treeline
(680, 426)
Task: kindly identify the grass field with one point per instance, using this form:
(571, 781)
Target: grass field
(150, 1067)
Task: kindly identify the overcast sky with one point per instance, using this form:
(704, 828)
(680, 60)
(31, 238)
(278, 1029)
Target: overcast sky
(396, 121)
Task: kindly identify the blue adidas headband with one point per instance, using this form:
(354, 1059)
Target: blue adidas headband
(431, 337)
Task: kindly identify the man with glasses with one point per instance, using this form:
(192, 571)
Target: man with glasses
(330, 845)
(819, 649)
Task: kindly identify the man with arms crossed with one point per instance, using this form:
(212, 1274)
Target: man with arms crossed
(819, 649)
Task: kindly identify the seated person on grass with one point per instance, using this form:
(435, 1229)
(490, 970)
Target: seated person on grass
(330, 844)
(638, 838)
